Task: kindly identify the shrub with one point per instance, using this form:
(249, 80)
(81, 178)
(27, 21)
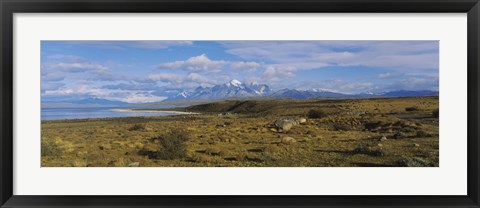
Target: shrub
(172, 145)
(50, 148)
(214, 151)
(137, 127)
(400, 135)
(367, 148)
(423, 134)
(413, 108)
(316, 114)
(414, 162)
(374, 125)
(436, 113)
(342, 127)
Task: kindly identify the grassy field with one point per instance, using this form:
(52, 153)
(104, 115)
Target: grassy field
(381, 132)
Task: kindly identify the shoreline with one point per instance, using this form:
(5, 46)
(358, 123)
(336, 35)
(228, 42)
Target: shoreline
(153, 111)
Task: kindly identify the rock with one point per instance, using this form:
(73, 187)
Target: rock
(416, 145)
(414, 162)
(134, 164)
(273, 129)
(383, 138)
(399, 135)
(285, 124)
(302, 120)
(380, 145)
(288, 140)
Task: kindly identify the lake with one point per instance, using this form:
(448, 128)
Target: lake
(98, 112)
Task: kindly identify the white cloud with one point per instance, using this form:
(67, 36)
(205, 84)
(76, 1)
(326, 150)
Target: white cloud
(167, 77)
(51, 85)
(247, 66)
(194, 77)
(59, 67)
(129, 96)
(389, 75)
(122, 45)
(395, 54)
(190, 80)
(76, 67)
(278, 73)
(202, 63)
(156, 44)
(196, 63)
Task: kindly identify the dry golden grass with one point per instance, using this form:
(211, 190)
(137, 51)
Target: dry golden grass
(347, 134)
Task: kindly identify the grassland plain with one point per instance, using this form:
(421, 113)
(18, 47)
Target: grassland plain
(377, 132)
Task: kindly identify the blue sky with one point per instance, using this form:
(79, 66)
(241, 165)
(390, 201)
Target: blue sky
(150, 71)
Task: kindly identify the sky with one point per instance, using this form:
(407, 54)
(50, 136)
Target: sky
(150, 71)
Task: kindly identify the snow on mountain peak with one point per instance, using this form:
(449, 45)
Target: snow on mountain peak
(183, 94)
(235, 83)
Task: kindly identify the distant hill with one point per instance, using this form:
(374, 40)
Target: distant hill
(97, 101)
(90, 102)
(405, 93)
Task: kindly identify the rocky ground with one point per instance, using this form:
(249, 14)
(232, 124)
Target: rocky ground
(380, 132)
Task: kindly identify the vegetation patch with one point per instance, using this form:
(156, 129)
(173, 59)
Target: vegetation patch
(412, 108)
(414, 162)
(171, 146)
(137, 127)
(436, 113)
(50, 149)
(245, 139)
(315, 113)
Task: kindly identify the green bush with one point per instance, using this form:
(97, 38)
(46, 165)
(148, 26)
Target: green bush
(374, 125)
(423, 134)
(414, 162)
(342, 127)
(369, 148)
(413, 108)
(137, 127)
(400, 135)
(172, 145)
(49, 148)
(316, 114)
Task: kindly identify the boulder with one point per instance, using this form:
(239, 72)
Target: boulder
(383, 138)
(134, 164)
(288, 140)
(285, 124)
(302, 120)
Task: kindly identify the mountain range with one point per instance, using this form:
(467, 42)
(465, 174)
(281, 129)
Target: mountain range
(237, 89)
(231, 89)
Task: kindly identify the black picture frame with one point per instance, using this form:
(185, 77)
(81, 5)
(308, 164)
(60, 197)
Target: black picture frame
(9, 7)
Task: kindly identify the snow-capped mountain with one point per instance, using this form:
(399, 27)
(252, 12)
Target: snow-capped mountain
(183, 95)
(237, 89)
(233, 88)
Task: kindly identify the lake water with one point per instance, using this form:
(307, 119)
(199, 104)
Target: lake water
(99, 112)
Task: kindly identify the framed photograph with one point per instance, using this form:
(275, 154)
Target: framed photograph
(265, 103)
